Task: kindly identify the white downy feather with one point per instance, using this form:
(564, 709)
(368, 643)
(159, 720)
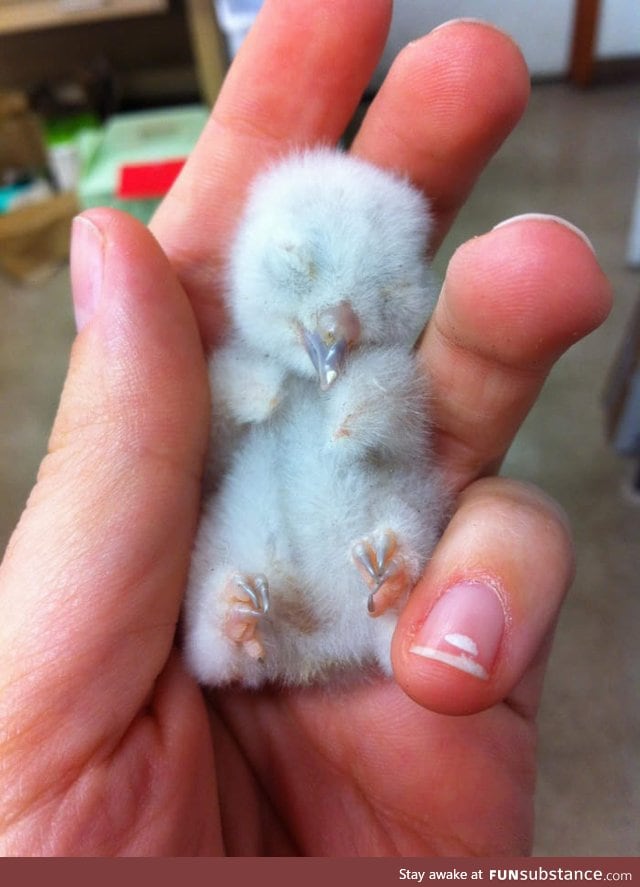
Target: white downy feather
(329, 248)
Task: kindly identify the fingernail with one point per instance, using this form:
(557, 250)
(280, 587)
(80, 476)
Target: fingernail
(470, 20)
(544, 217)
(87, 260)
(461, 20)
(464, 629)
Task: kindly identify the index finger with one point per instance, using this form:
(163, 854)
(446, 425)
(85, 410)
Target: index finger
(296, 81)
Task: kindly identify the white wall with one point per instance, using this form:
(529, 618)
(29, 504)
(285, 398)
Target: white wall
(619, 33)
(542, 28)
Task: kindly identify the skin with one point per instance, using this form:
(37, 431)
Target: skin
(107, 746)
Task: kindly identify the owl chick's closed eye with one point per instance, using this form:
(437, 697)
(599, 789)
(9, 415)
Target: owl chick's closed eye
(326, 503)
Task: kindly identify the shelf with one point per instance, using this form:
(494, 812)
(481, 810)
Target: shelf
(29, 15)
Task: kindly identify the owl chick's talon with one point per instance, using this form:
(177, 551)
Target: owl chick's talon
(383, 568)
(257, 589)
(248, 598)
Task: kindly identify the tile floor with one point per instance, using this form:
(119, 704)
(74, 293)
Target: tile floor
(575, 155)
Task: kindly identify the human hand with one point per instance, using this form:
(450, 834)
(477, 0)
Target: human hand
(106, 746)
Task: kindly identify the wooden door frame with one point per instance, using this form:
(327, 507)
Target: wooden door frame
(585, 32)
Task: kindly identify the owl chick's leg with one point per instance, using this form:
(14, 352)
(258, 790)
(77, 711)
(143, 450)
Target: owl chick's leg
(385, 569)
(248, 602)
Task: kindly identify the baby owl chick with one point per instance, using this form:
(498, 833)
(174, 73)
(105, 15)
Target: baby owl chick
(323, 502)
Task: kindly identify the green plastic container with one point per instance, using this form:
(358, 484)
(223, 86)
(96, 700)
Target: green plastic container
(133, 138)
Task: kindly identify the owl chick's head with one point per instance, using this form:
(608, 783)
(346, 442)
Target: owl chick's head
(330, 255)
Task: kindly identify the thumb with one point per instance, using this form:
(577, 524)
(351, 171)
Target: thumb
(92, 577)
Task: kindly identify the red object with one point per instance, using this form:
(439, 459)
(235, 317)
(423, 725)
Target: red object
(145, 180)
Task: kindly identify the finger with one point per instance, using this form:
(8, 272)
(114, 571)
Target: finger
(296, 81)
(93, 575)
(448, 102)
(473, 629)
(512, 302)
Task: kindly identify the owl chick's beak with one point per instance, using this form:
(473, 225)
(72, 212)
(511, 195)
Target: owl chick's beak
(336, 331)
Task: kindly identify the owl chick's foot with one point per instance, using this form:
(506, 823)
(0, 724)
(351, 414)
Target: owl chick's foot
(383, 568)
(248, 600)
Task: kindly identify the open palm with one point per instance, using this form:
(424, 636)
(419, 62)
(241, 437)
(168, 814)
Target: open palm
(108, 746)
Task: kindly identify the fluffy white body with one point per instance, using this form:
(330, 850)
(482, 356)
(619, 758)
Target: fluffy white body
(324, 504)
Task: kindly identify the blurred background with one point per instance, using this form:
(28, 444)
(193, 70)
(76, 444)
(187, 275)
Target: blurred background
(101, 101)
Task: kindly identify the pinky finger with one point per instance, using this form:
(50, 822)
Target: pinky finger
(477, 627)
